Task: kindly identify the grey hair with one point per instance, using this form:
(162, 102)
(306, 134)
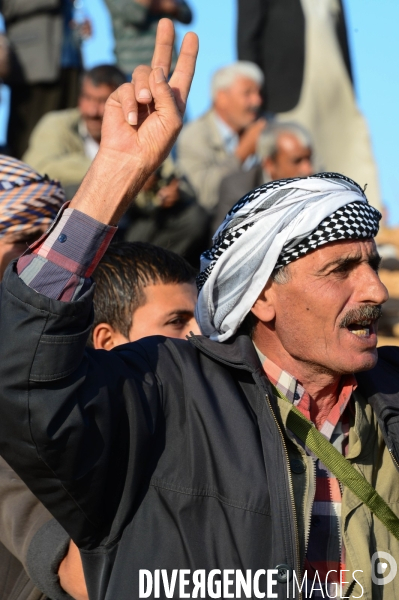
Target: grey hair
(226, 76)
(281, 275)
(268, 139)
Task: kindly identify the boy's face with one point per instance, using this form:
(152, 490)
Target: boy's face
(168, 311)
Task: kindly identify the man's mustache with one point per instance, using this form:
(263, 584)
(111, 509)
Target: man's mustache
(362, 315)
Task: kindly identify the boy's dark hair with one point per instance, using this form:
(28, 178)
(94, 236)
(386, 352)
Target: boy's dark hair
(122, 274)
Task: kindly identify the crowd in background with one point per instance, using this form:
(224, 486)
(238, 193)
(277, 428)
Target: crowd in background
(285, 109)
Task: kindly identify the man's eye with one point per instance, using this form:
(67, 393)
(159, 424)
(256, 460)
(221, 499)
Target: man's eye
(342, 270)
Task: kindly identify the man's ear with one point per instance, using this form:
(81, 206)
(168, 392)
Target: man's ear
(264, 307)
(105, 337)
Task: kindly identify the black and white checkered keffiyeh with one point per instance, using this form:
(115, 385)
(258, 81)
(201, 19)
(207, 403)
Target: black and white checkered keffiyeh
(352, 221)
(273, 225)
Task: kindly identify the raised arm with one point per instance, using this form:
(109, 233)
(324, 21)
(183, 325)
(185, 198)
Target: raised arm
(141, 123)
(65, 413)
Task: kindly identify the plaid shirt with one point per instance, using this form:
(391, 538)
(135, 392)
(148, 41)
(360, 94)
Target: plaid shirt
(325, 550)
(60, 263)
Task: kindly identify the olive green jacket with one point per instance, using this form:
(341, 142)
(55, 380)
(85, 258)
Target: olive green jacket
(57, 148)
(363, 534)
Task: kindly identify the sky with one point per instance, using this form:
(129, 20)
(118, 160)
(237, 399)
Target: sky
(374, 43)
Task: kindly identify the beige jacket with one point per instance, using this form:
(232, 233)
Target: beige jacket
(204, 160)
(363, 533)
(57, 148)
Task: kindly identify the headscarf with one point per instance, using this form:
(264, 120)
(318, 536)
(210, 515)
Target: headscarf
(270, 227)
(27, 199)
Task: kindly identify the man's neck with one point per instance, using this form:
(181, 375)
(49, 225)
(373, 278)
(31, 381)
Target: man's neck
(225, 120)
(323, 387)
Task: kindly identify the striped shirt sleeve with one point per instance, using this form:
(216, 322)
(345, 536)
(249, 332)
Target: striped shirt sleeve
(60, 263)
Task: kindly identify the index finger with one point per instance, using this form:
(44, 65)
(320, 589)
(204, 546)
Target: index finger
(182, 77)
(163, 50)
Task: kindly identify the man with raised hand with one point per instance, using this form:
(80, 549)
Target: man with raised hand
(223, 140)
(167, 455)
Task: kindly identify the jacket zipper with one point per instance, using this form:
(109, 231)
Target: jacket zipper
(291, 493)
(393, 457)
(307, 532)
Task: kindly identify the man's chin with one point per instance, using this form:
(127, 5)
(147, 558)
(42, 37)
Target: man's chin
(364, 361)
(359, 349)
(94, 129)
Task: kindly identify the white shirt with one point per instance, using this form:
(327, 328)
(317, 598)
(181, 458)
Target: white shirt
(90, 145)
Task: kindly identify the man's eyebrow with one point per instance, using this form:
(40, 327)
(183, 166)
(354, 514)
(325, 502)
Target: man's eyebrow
(180, 312)
(374, 259)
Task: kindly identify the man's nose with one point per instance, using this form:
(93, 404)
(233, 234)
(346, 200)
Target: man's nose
(306, 168)
(371, 288)
(256, 99)
(94, 109)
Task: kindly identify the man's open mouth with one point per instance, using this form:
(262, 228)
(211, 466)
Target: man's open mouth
(362, 321)
(363, 330)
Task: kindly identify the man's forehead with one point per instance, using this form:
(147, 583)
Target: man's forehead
(242, 81)
(89, 89)
(288, 141)
(338, 251)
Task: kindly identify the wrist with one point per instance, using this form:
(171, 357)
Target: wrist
(241, 154)
(109, 186)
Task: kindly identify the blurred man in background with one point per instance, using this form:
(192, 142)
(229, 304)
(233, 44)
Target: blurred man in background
(284, 150)
(64, 143)
(223, 141)
(302, 49)
(44, 63)
(28, 204)
(135, 23)
(166, 213)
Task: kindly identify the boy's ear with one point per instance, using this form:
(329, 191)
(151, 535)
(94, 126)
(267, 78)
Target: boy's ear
(105, 337)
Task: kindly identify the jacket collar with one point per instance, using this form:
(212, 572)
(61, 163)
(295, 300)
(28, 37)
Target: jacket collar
(238, 351)
(214, 136)
(379, 387)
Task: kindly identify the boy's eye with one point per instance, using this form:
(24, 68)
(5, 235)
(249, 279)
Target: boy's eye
(178, 322)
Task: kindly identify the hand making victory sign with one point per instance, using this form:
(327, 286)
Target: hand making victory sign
(141, 122)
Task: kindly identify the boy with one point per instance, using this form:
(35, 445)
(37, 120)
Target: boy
(141, 290)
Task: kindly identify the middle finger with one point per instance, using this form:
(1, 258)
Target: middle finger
(163, 50)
